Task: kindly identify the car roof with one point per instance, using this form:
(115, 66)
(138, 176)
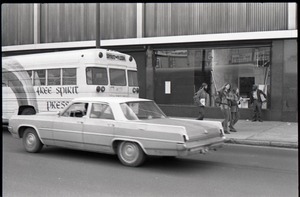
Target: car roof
(109, 99)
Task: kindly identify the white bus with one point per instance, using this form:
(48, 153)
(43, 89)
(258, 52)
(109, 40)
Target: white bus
(49, 81)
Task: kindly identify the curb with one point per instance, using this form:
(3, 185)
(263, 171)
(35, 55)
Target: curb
(263, 143)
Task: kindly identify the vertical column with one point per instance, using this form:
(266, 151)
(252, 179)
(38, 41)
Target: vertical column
(36, 23)
(149, 74)
(97, 20)
(292, 16)
(140, 15)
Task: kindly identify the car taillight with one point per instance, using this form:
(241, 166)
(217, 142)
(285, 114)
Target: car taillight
(185, 138)
(222, 133)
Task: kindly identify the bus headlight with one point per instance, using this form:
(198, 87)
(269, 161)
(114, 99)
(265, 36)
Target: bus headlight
(135, 90)
(98, 89)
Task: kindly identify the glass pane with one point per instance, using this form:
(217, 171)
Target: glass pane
(96, 76)
(141, 110)
(69, 76)
(76, 110)
(54, 77)
(117, 77)
(132, 78)
(39, 77)
(101, 111)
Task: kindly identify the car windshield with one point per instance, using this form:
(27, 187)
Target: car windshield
(141, 110)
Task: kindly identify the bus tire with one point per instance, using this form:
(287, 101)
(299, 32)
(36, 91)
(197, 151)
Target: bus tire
(28, 111)
(130, 154)
(31, 141)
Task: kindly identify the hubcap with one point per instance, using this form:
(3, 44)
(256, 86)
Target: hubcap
(129, 153)
(30, 140)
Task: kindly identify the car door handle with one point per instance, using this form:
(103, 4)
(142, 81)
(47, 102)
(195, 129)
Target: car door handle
(110, 125)
(80, 122)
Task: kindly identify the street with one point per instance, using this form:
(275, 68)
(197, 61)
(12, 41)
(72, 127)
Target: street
(234, 170)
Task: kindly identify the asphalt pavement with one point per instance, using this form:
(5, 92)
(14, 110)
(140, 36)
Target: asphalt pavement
(266, 133)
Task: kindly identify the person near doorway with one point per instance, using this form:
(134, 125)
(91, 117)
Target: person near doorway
(201, 100)
(257, 97)
(234, 108)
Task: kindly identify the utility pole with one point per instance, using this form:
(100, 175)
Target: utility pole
(98, 25)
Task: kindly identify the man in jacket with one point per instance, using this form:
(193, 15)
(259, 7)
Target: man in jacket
(257, 97)
(201, 100)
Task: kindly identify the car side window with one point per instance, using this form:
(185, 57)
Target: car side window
(76, 110)
(101, 111)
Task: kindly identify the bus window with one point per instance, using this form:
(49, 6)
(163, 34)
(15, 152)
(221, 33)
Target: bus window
(69, 76)
(54, 77)
(132, 78)
(117, 77)
(39, 77)
(96, 76)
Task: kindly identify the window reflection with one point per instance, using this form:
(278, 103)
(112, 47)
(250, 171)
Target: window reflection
(188, 69)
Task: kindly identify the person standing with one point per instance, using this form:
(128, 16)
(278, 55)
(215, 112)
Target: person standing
(201, 100)
(225, 101)
(234, 109)
(257, 97)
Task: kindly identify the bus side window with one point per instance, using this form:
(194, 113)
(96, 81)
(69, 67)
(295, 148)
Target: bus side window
(54, 77)
(69, 76)
(39, 77)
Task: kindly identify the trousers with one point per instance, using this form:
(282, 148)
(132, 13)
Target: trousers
(257, 106)
(227, 116)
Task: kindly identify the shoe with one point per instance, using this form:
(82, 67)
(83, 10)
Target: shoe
(254, 120)
(232, 130)
(260, 120)
(227, 132)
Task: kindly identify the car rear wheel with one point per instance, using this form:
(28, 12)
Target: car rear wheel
(31, 141)
(130, 154)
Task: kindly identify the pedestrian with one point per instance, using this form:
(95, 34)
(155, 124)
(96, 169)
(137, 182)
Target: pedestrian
(234, 109)
(257, 97)
(225, 102)
(201, 100)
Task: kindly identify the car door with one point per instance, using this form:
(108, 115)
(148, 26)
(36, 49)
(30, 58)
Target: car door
(98, 128)
(68, 127)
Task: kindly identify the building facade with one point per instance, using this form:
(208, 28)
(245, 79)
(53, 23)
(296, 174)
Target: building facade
(177, 46)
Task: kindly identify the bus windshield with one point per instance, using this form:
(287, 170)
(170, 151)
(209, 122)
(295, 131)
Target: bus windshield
(96, 76)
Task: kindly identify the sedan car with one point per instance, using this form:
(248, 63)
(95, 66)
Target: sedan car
(131, 128)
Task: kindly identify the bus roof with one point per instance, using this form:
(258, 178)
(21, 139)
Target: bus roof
(86, 56)
(109, 99)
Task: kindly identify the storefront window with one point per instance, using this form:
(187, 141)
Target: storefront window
(185, 70)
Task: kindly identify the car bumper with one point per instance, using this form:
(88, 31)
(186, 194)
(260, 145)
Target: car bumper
(200, 147)
(10, 129)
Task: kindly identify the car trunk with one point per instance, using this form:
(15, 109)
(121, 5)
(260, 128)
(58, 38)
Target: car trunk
(195, 129)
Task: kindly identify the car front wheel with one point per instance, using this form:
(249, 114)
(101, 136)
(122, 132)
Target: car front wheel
(31, 141)
(130, 154)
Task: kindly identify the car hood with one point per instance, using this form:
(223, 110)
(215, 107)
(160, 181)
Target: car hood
(195, 129)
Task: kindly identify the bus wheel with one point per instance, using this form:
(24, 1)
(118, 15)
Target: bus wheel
(31, 141)
(28, 111)
(130, 154)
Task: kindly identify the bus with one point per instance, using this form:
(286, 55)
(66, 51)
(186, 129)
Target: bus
(47, 82)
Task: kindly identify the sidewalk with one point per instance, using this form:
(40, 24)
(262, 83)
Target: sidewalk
(266, 133)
